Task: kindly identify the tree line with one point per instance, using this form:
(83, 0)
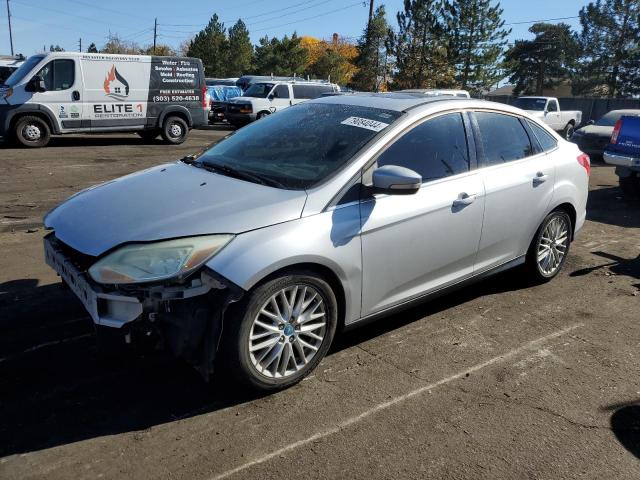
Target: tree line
(437, 44)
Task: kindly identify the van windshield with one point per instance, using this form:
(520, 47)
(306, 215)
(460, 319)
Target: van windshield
(25, 68)
(300, 146)
(258, 90)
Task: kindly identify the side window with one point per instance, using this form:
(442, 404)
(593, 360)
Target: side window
(58, 74)
(282, 91)
(552, 106)
(503, 138)
(546, 140)
(435, 149)
(307, 91)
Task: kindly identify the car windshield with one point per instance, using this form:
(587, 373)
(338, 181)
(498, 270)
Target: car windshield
(299, 147)
(258, 90)
(610, 119)
(531, 103)
(24, 69)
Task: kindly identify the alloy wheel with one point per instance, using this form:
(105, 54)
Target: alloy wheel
(553, 245)
(288, 331)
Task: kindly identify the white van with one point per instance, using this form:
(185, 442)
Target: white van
(69, 92)
(265, 98)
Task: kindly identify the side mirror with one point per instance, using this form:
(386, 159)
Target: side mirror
(591, 122)
(396, 180)
(36, 84)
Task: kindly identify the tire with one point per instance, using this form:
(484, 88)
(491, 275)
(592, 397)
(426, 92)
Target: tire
(148, 135)
(32, 132)
(266, 369)
(262, 115)
(174, 130)
(568, 131)
(539, 270)
(630, 187)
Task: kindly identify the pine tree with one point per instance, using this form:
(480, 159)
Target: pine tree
(211, 46)
(372, 54)
(543, 62)
(420, 47)
(477, 42)
(92, 48)
(240, 51)
(280, 57)
(610, 43)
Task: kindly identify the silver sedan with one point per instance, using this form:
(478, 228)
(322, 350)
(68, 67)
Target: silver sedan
(338, 210)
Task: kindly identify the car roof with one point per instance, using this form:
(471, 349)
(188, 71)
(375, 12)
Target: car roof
(399, 102)
(625, 111)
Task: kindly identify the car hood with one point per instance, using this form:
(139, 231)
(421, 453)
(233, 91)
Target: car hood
(168, 201)
(244, 99)
(596, 131)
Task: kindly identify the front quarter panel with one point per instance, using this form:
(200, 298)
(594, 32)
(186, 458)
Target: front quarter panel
(330, 239)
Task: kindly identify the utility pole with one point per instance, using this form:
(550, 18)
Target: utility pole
(370, 12)
(155, 34)
(80, 45)
(10, 32)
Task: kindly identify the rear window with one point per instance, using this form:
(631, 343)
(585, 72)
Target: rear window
(310, 91)
(503, 138)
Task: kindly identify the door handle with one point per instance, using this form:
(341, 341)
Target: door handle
(540, 178)
(464, 199)
(75, 95)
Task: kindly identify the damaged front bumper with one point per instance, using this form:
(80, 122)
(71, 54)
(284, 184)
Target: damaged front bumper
(186, 317)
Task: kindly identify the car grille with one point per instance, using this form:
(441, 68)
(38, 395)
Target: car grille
(80, 260)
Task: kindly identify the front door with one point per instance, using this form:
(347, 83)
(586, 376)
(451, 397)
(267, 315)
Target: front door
(415, 244)
(281, 97)
(518, 186)
(63, 96)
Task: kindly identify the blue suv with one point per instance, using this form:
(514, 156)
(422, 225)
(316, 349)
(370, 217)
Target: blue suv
(623, 151)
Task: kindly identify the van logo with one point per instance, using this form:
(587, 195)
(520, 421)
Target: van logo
(115, 85)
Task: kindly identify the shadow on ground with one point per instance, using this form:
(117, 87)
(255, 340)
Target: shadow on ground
(625, 425)
(55, 388)
(608, 205)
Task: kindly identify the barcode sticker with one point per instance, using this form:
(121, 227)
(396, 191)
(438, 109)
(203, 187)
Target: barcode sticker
(374, 125)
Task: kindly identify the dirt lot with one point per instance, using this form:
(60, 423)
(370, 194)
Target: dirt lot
(500, 380)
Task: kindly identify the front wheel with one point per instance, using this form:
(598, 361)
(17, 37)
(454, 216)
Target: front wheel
(174, 130)
(550, 246)
(32, 132)
(283, 330)
(568, 131)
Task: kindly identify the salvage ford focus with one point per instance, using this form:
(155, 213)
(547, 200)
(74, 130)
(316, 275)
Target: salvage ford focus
(342, 209)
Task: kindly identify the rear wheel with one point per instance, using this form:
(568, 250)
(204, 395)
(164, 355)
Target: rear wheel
(284, 329)
(174, 130)
(32, 132)
(568, 131)
(550, 246)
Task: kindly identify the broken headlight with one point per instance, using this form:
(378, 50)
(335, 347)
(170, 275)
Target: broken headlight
(150, 262)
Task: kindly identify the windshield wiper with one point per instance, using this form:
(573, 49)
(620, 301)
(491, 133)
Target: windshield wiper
(241, 174)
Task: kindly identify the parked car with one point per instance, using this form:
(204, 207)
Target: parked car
(219, 95)
(624, 152)
(547, 109)
(265, 98)
(334, 212)
(8, 65)
(594, 137)
(68, 92)
(438, 92)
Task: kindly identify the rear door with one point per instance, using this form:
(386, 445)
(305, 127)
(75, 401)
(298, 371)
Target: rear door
(64, 91)
(518, 182)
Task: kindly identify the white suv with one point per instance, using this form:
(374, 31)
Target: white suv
(265, 98)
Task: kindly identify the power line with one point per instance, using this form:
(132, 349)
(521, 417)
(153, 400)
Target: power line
(290, 13)
(543, 20)
(310, 18)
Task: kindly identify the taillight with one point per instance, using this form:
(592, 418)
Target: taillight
(204, 97)
(616, 132)
(585, 162)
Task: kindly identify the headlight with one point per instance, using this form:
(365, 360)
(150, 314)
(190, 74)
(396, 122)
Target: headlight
(149, 262)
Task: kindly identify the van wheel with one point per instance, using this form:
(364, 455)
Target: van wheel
(568, 131)
(550, 247)
(174, 130)
(32, 132)
(262, 115)
(282, 331)
(148, 135)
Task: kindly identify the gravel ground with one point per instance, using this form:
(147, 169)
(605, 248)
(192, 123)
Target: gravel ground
(499, 380)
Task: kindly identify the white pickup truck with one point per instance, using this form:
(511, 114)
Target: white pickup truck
(547, 109)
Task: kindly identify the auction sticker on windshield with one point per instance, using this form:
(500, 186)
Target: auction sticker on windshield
(365, 123)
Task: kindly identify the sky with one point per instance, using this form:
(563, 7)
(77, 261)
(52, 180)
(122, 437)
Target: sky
(41, 22)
